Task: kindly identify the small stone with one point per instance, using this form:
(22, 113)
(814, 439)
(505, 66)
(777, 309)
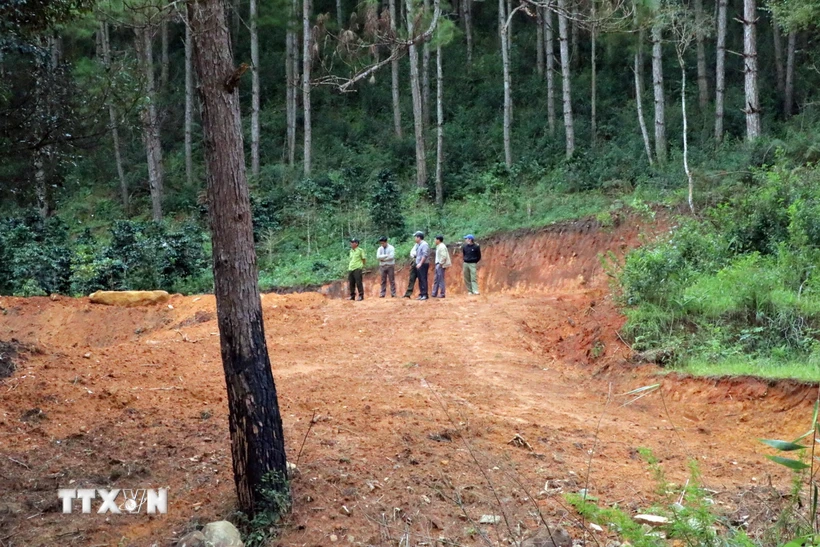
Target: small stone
(222, 534)
(651, 520)
(489, 519)
(345, 511)
(194, 539)
(595, 527)
(543, 538)
(334, 538)
(87, 355)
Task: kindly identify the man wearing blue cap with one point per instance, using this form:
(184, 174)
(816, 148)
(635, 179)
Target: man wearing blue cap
(472, 255)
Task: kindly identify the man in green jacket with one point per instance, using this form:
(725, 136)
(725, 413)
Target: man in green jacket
(354, 270)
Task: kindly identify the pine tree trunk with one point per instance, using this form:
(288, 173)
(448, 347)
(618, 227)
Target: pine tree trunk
(163, 74)
(257, 438)
(394, 67)
(539, 53)
(340, 17)
(700, 39)
(720, 70)
(425, 74)
(563, 38)
(307, 58)
(788, 94)
(639, 103)
(467, 17)
(685, 131)
(189, 104)
(752, 108)
(105, 47)
(593, 78)
(292, 85)
(780, 71)
(415, 89)
(254, 90)
(439, 128)
(575, 54)
(505, 60)
(549, 66)
(660, 102)
(150, 121)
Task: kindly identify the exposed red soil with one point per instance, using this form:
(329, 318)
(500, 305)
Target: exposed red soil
(413, 404)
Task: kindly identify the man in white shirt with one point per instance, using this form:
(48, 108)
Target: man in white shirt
(443, 262)
(386, 256)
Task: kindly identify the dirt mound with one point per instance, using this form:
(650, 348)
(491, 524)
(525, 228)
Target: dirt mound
(9, 355)
(418, 418)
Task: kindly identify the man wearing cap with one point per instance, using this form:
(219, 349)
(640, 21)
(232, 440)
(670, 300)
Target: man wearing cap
(472, 255)
(386, 256)
(354, 269)
(422, 263)
(442, 263)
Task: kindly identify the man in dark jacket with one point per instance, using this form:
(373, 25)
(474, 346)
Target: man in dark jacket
(472, 255)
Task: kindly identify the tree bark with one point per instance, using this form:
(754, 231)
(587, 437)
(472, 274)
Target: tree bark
(394, 67)
(569, 124)
(439, 128)
(307, 58)
(639, 103)
(539, 53)
(549, 66)
(165, 63)
(780, 71)
(593, 78)
(685, 131)
(720, 70)
(657, 86)
(415, 89)
(700, 39)
(467, 17)
(254, 89)
(788, 94)
(292, 85)
(189, 104)
(340, 17)
(150, 121)
(505, 60)
(105, 46)
(257, 439)
(425, 74)
(752, 108)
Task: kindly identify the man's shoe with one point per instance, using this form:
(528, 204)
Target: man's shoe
(360, 297)
(421, 298)
(352, 298)
(442, 296)
(407, 296)
(381, 296)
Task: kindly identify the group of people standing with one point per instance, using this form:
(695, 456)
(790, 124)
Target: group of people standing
(421, 257)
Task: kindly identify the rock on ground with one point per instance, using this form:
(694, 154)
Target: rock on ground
(129, 298)
(222, 534)
(543, 538)
(194, 539)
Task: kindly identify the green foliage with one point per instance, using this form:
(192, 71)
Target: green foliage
(34, 256)
(744, 283)
(275, 502)
(386, 206)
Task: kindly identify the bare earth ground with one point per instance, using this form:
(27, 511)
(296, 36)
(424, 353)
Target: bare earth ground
(413, 405)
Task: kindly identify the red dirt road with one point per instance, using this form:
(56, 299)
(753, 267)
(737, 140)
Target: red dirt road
(414, 405)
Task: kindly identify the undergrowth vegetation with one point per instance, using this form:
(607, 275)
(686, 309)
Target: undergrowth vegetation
(738, 289)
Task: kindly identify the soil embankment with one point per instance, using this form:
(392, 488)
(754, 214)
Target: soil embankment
(417, 417)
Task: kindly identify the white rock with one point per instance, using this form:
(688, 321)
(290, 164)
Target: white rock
(222, 534)
(489, 519)
(652, 520)
(595, 527)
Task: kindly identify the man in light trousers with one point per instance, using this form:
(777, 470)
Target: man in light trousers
(442, 263)
(386, 256)
(472, 255)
